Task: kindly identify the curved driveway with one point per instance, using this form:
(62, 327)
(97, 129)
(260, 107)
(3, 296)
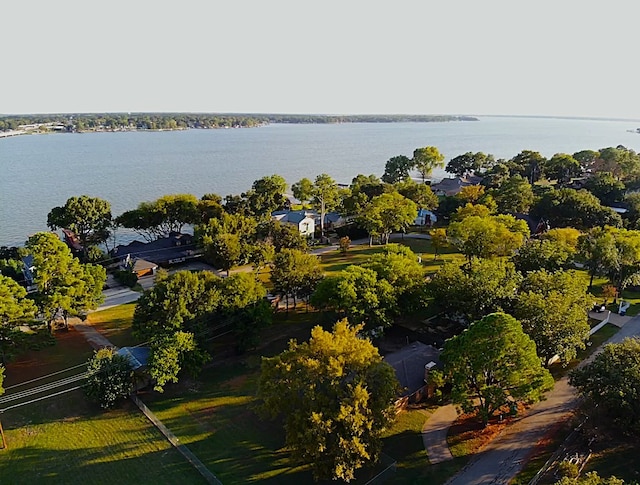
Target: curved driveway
(505, 456)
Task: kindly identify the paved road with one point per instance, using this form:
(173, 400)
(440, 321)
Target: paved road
(506, 455)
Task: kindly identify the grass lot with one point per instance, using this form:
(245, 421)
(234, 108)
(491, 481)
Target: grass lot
(70, 349)
(619, 459)
(65, 440)
(335, 261)
(115, 324)
(215, 417)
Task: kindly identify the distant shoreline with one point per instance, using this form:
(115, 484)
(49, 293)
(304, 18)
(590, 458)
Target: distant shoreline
(114, 123)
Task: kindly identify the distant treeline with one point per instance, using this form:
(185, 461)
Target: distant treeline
(176, 121)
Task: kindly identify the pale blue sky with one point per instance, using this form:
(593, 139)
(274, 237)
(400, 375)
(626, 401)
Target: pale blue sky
(561, 57)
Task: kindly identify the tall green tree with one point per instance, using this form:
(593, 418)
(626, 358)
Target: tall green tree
(399, 266)
(357, 294)
(266, 195)
(426, 159)
(323, 193)
(420, 194)
(335, 394)
(387, 213)
(531, 165)
(223, 251)
(475, 290)
(15, 308)
(611, 384)
(295, 273)
(483, 237)
(181, 301)
(170, 354)
(492, 363)
(514, 195)
(109, 378)
(553, 309)
(65, 287)
(573, 208)
(469, 163)
(159, 218)
(605, 187)
(562, 168)
(89, 217)
(397, 169)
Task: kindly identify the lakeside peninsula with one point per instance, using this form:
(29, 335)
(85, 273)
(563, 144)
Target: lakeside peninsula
(11, 125)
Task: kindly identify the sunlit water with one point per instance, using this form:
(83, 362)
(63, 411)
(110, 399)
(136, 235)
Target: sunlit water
(41, 171)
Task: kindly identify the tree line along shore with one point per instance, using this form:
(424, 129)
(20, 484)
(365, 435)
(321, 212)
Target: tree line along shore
(83, 122)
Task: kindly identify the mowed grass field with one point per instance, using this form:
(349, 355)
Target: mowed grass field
(216, 417)
(66, 440)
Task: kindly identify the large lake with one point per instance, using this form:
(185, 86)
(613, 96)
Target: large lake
(41, 171)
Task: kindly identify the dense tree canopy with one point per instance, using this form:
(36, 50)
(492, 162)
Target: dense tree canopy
(169, 213)
(514, 195)
(562, 168)
(530, 164)
(295, 273)
(397, 169)
(553, 309)
(607, 188)
(420, 194)
(359, 295)
(266, 195)
(483, 237)
(543, 253)
(469, 163)
(386, 213)
(573, 208)
(400, 267)
(471, 292)
(492, 363)
(15, 308)
(109, 378)
(336, 396)
(65, 287)
(611, 382)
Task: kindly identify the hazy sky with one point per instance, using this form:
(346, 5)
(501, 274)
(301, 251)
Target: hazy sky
(560, 57)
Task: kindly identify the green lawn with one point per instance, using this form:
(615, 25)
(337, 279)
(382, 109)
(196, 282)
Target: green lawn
(215, 417)
(115, 324)
(403, 442)
(619, 459)
(66, 440)
(335, 261)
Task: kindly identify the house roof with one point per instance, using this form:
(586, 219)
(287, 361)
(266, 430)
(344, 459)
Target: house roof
(161, 250)
(138, 356)
(409, 363)
(293, 217)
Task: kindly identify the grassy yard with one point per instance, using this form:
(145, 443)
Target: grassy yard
(619, 459)
(66, 440)
(215, 417)
(115, 324)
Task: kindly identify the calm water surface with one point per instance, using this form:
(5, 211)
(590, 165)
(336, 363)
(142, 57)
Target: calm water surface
(41, 172)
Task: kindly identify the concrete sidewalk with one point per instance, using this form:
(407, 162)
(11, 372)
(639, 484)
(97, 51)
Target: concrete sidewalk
(434, 433)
